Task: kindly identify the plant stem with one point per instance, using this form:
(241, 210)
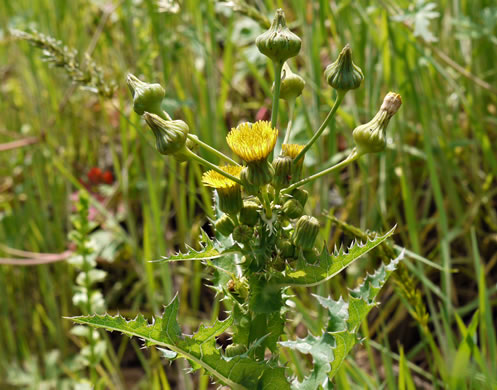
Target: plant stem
(331, 114)
(266, 202)
(351, 158)
(212, 150)
(276, 94)
(206, 163)
(291, 107)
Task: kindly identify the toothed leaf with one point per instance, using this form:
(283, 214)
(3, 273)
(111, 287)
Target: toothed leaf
(327, 265)
(210, 250)
(329, 350)
(200, 349)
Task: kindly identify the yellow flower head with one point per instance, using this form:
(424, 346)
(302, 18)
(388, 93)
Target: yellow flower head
(252, 142)
(291, 150)
(216, 180)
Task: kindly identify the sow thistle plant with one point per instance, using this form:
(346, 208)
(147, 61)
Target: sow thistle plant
(266, 244)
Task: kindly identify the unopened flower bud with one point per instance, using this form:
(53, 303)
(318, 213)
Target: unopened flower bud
(292, 209)
(278, 43)
(146, 97)
(224, 225)
(249, 188)
(243, 233)
(259, 173)
(249, 214)
(285, 248)
(170, 136)
(371, 137)
(343, 74)
(282, 172)
(235, 350)
(301, 195)
(305, 233)
(291, 84)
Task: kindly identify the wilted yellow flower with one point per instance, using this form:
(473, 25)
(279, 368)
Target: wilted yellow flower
(216, 180)
(230, 192)
(252, 142)
(291, 150)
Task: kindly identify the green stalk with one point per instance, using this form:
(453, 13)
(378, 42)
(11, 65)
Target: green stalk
(291, 107)
(331, 114)
(351, 158)
(212, 150)
(206, 163)
(276, 94)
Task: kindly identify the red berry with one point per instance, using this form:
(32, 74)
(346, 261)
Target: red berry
(107, 177)
(94, 175)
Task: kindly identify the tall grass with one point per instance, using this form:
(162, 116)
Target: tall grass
(436, 181)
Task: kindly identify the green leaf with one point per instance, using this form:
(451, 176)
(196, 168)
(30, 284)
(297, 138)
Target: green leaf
(210, 250)
(331, 348)
(239, 373)
(327, 266)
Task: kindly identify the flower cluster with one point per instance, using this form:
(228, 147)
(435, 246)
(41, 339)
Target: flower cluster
(261, 205)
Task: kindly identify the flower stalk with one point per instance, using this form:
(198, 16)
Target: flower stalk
(317, 134)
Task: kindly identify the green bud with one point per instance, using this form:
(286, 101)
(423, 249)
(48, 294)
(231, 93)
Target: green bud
(343, 74)
(282, 172)
(243, 233)
(249, 214)
(170, 136)
(292, 209)
(230, 199)
(306, 232)
(371, 137)
(146, 97)
(259, 173)
(291, 84)
(235, 350)
(279, 264)
(301, 195)
(247, 186)
(278, 43)
(224, 225)
(285, 248)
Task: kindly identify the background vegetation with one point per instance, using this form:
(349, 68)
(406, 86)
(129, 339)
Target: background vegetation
(436, 181)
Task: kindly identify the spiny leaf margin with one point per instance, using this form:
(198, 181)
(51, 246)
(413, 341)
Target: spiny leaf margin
(307, 275)
(241, 373)
(331, 348)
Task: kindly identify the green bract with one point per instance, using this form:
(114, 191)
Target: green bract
(292, 84)
(146, 97)
(278, 43)
(371, 137)
(306, 232)
(343, 74)
(170, 136)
